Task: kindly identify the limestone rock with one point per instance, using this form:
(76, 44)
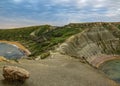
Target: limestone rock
(15, 73)
(3, 59)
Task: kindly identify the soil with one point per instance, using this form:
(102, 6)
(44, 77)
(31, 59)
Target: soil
(58, 70)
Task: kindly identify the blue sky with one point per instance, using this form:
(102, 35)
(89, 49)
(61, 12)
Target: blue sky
(18, 13)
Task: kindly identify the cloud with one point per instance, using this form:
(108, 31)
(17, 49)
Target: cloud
(17, 1)
(58, 12)
(7, 23)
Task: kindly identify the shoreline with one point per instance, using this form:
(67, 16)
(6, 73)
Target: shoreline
(100, 60)
(18, 45)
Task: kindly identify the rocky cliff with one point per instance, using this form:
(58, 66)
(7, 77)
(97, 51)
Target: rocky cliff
(93, 43)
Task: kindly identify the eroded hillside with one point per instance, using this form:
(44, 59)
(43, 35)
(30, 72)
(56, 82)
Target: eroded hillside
(41, 39)
(92, 43)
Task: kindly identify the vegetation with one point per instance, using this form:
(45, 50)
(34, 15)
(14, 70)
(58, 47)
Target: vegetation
(44, 55)
(40, 39)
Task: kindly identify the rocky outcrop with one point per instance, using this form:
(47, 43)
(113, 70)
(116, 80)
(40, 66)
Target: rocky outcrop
(3, 59)
(13, 73)
(92, 43)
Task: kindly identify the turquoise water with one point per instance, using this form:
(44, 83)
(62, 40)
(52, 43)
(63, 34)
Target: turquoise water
(10, 51)
(112, 69)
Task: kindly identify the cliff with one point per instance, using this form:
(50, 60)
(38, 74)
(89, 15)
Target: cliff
(93, 43)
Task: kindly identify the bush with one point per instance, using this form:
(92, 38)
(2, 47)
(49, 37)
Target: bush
(45, 55)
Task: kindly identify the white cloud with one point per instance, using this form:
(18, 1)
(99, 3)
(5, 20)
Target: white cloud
(17, 1)
(75, 11)
(60, 1)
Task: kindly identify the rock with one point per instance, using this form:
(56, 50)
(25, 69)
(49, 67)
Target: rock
(91, 44)
(14, 73)
(3, 59)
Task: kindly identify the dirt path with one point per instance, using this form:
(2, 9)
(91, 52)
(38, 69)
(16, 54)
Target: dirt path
(59, 71)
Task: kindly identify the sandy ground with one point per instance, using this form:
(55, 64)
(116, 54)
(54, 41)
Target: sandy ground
(58, 70)
(17, 44)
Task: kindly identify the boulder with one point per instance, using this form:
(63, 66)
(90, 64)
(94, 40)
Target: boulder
(14, 73)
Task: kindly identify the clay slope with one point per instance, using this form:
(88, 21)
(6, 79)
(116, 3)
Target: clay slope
(93, 43)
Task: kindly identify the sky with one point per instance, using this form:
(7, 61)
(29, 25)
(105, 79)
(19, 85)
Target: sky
(19, 13)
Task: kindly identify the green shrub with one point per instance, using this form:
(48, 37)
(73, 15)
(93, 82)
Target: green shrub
(45, 55)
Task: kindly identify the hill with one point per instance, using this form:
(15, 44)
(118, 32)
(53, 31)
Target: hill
(41, 39)
(91, 43)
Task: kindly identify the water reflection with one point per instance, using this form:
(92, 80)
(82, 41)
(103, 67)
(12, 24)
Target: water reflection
(112, 69)
(10, 51)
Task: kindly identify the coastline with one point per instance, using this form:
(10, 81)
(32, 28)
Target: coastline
(100, 60)
(18, 45)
